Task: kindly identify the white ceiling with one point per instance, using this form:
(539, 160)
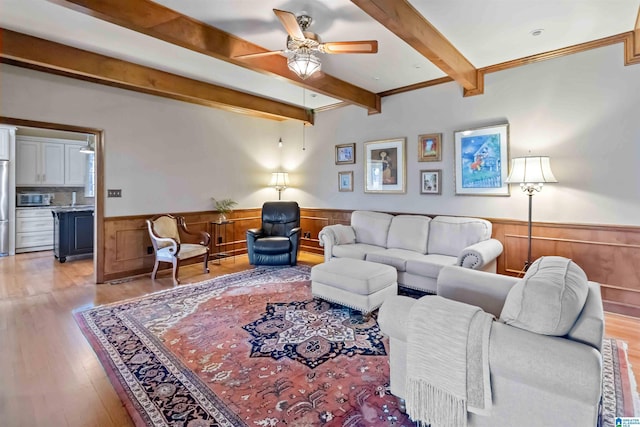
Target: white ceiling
(486, 32)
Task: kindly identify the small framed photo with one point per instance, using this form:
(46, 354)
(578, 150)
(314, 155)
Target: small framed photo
(430, 181)
(385, 166)
(345, 181)
(482, 161)
(430, 147)
(345, 154)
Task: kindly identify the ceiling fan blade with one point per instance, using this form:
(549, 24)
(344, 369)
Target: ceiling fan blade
(364, 46)
(290, 23)
(259, 54)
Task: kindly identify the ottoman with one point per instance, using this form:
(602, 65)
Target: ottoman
(354, 283)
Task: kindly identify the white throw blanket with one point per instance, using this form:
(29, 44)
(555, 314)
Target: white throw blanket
(447, 362)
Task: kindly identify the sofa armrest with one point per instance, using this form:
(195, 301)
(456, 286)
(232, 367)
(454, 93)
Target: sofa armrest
(393, 316)
(478, 255)
(294, 231)
(254, 232)
(555, 364)
(335, 235)
(485, 290)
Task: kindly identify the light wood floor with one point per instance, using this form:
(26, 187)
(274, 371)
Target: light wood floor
(50, 376)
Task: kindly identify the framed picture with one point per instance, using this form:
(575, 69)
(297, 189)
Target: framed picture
(482, 161)
(385, 166)
(430, 147)
(345, 154)
(430, 181)
(345, 181)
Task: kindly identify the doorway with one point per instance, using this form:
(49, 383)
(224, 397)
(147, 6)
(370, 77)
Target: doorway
(83, 135)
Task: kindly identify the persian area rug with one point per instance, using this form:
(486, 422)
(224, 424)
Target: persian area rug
(619, 388)
(248, 349)
(255, 349)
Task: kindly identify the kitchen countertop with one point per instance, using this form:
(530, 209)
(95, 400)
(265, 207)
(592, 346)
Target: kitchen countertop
(77, 208)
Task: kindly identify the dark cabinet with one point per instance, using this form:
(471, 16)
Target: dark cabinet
(72, 233)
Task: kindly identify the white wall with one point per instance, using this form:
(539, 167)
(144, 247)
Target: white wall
(582, 110)
(165, 155)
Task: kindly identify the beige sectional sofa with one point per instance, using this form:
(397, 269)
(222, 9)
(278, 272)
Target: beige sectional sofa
(417, 246)
(545, 348)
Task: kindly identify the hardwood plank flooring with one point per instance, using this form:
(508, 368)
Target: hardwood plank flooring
(50, 376)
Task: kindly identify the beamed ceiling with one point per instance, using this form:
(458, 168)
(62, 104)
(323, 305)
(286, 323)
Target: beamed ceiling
(189, 49)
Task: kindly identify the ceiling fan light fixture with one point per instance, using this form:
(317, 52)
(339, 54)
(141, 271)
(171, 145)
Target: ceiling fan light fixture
(304, 63)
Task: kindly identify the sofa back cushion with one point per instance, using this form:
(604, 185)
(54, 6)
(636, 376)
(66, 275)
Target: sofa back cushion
(549, 299)
(449, 235)
(409, 232)
(371, 227)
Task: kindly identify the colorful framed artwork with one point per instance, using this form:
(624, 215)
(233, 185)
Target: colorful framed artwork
(482, 161)
(430, 181)
(345, 181)
(385, 166)
(345, 154)
(430, 147)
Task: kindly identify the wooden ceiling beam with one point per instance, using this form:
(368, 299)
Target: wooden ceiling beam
(401, 18)
(32, 52)
(155, 20)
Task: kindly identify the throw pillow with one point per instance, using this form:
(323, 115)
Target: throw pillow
(344, 234)
(549, 299)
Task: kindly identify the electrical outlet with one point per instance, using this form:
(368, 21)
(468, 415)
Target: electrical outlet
(219, 240)
(114, 193)
(149, 250)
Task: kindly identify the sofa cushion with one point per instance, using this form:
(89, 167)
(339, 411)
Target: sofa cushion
(450, 235)
(355, 251)
(549, 299)
(371, 227)
(394, 257)
(429, 265)
(272, 245)
(409, 232)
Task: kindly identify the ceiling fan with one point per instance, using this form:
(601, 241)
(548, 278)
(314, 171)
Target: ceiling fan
(303, 46)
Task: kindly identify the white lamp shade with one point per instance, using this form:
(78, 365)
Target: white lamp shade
(530, 170)
(279, 180)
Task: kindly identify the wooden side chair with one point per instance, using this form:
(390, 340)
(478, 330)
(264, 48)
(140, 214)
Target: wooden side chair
(164, 231)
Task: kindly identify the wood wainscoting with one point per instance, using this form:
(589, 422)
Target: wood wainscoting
(128, 251)
(609, 255)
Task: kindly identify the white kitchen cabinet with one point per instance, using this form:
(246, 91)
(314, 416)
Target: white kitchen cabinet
(34, 230)
(75, 165)
(42, 162)
(39, 163)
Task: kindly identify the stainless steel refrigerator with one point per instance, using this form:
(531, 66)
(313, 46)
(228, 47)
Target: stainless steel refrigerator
(4, 207)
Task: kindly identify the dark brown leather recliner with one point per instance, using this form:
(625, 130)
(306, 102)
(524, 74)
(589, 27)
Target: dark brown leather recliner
(278, 240)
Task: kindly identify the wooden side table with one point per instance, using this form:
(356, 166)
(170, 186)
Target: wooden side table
(221, 237)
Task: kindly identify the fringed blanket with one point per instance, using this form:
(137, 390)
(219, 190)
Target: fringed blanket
(447, 362)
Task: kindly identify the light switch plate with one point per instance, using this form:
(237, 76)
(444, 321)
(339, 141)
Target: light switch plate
(114, 193)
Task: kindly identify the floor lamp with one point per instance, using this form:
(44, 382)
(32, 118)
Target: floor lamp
(531, 173)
